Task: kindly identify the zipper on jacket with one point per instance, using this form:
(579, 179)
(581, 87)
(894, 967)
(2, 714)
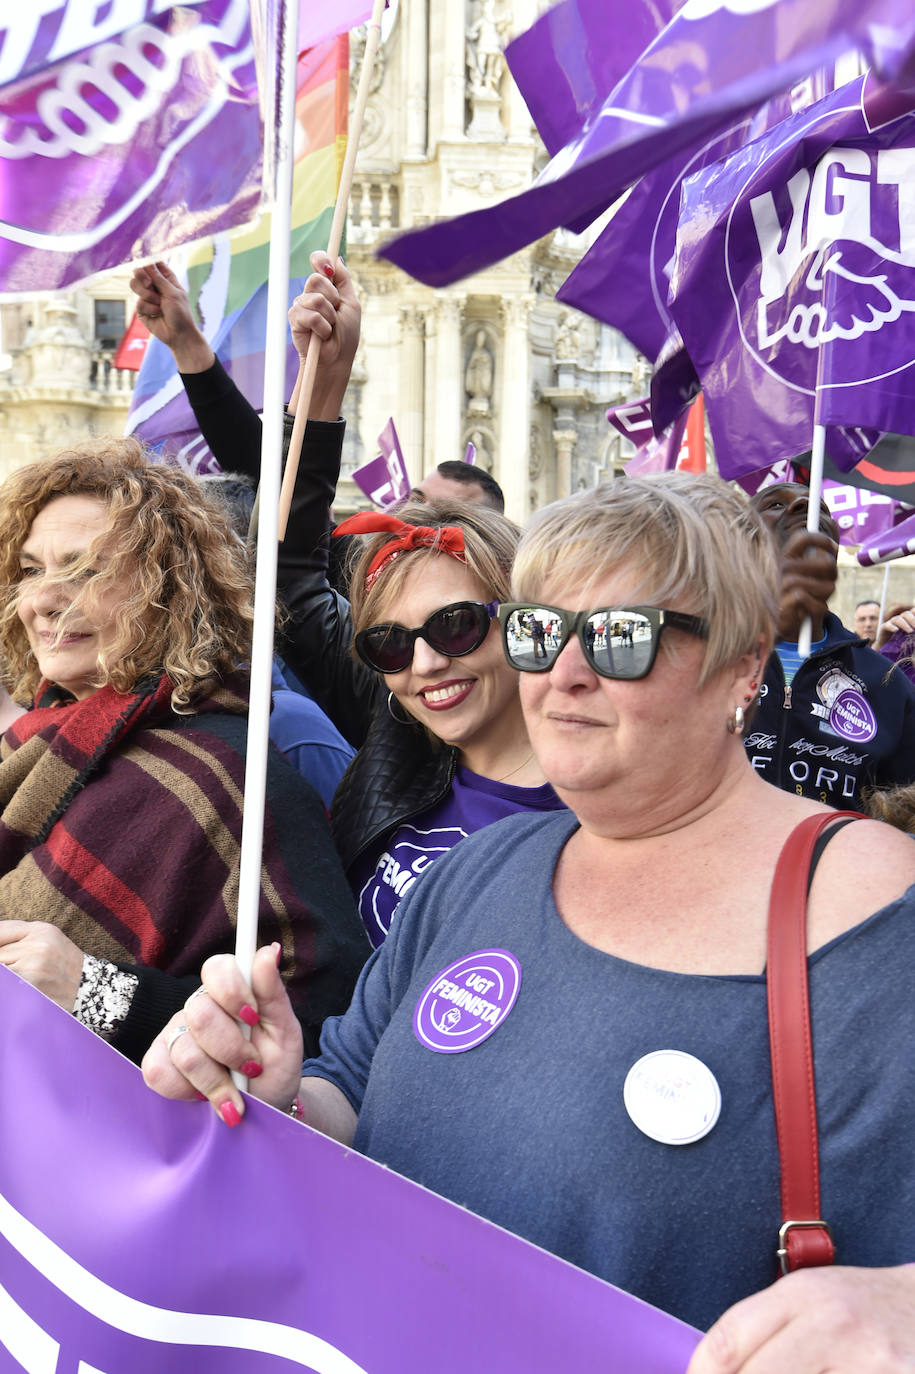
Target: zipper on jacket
(786, 704)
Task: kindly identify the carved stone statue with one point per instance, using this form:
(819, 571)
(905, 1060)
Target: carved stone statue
(484, 49)
(479, 375)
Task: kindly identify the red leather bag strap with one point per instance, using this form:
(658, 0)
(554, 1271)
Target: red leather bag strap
(803, 1239)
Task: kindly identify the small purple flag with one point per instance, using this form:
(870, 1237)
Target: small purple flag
(138, 1234)
(384, 479)
(795, 279)
(633, 421)
(715, 59)
(896, 542)
(128, 148)
(653, 453)
(470, 454)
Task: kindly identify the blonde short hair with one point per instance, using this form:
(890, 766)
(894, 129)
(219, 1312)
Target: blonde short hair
(691, 543)
(188, 610)
(490, 541)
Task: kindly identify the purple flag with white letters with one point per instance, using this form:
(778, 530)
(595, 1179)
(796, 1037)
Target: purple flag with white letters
(126, 148)
(384, 479)
(143, 1235)
(714, 60)
(794, 281)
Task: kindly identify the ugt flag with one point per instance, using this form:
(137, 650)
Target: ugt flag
(714, 59)
(125, 148)
(139, 1236)
(227, 278)
(794, 282)
(623, 278)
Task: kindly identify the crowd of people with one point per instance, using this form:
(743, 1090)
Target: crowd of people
(523, 935)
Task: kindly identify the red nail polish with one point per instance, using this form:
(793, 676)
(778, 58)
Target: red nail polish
(201, 1097)
(252, 1069)
(229, 1113)
(328, 271)
(249, 1016)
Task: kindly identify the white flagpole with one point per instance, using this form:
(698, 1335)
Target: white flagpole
(249, 880)
(883, 595)
(814, 496)
(308, 366)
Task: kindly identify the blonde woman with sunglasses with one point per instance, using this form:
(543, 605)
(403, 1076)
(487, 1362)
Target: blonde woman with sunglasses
(568, 1030)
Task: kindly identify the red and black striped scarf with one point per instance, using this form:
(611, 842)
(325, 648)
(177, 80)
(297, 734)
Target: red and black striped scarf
(50, 753)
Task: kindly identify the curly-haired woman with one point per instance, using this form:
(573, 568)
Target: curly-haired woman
(126, 616)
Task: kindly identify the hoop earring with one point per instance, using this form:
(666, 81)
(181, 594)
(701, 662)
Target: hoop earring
(401, 720)
(735, 721)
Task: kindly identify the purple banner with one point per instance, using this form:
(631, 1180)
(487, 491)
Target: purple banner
(714, 60)
(139, 1234)
(384, 479)
(128, 148)
(624, 277)
(794, 279)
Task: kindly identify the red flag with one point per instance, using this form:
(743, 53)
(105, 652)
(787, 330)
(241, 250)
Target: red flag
(132, 348)
(692, 450)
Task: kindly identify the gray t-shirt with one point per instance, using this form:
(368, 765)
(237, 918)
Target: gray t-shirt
(529, 1127)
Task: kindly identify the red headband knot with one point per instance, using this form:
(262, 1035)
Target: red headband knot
(447, 538)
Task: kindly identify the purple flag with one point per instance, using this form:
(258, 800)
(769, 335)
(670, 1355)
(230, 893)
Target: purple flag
(127, 148)
(896, 542)
(653, 453)
(715, 59)
(623, 278)
(166, 1241)
(384, 479)
(794, 279)
(565, 68)
(859, 514)
(633, 421)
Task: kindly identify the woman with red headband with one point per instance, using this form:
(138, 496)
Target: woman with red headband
(412, 671)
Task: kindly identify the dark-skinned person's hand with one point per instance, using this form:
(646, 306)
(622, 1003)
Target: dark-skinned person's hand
(809, 574)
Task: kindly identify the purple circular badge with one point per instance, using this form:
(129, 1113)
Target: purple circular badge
(851, 717)
(467, 1001)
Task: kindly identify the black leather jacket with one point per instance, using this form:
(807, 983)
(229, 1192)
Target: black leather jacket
(398, 771)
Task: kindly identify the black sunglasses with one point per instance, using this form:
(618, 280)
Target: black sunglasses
(617, 641)
(455, 630)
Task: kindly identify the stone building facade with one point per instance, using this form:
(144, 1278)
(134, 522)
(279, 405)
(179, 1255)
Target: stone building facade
(493, 360)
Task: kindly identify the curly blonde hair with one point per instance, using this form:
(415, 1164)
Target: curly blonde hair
(188, 611)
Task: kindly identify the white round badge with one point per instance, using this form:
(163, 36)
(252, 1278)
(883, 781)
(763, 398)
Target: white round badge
(672, 1097)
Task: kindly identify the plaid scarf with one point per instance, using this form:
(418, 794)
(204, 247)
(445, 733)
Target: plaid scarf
(50, 753)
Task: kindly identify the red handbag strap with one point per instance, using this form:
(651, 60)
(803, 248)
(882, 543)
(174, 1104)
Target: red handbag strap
(803, 1239)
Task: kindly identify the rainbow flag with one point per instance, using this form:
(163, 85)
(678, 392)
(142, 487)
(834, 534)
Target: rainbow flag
(227, 275)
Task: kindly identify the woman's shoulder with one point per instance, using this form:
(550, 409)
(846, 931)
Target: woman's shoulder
(865, 867)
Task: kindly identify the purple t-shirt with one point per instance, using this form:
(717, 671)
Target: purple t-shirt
(384, 879)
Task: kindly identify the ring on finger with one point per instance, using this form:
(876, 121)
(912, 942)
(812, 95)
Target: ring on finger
(174, 1035)
(198, 992)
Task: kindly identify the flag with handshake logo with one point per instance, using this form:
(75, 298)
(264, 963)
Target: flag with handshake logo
(120, 142)
(794, 281)
(143, 1235)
